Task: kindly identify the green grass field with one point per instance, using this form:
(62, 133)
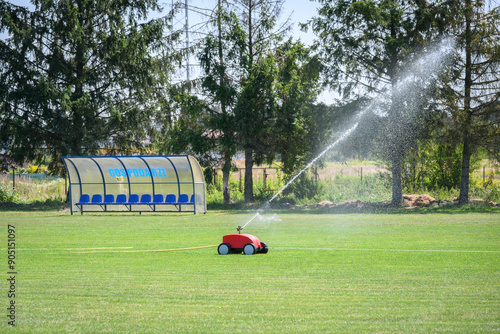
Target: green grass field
(324, 273)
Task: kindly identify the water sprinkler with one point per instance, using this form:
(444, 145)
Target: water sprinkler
(241, 242)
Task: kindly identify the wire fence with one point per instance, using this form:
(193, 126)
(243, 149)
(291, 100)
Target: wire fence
(29, 177)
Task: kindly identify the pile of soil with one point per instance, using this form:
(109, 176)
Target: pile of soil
(417, 201)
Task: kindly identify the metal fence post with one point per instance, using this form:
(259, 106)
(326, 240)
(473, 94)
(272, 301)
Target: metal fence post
(422, 177)
(240, 179)
(265, 179)
(484, 176)
(215, 179)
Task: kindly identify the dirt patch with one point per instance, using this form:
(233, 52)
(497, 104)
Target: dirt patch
(351, 204)
(478, 201)
(409, 202)
(347, 205)
(417, 201)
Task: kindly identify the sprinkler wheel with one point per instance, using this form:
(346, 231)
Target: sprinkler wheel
(224, 249)
(238, 243)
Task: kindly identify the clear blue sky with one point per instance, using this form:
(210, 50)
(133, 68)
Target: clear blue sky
(301, 11)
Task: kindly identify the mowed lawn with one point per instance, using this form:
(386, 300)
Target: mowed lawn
(324, 273)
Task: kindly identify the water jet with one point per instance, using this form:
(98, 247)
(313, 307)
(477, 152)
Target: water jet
(427, 66)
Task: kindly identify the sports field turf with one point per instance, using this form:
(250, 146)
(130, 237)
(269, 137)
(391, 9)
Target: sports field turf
(324, 273)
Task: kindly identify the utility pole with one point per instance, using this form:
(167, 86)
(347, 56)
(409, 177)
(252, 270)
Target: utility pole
(186, 31)
(187, 37)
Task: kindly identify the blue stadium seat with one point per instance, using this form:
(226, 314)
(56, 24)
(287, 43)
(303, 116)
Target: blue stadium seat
(157, 199)
(133, 199)
(109, 199)
(96, 199)
(84, 199)
(170, 199)
(146, 199)
(121, 199)
(183, 199)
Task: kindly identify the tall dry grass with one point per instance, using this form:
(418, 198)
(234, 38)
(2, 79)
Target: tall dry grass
(29, 190)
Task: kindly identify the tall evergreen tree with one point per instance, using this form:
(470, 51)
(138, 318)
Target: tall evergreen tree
(256, 91)
(472, 91)
(300, 126)
(219, 59)
(77, 76)
(256, 106)
(238, 83)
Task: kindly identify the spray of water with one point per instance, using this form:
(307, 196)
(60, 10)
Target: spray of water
(427, 66)
(328, 148)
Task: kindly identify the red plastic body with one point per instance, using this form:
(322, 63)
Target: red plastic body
(238, 241)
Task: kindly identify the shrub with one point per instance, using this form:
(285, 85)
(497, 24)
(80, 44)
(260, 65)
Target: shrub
(488, 190)
(304, 187)
(7, 194)
(30, 190)
(340, 188)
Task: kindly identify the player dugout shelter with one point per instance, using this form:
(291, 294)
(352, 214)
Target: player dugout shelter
(167, 183)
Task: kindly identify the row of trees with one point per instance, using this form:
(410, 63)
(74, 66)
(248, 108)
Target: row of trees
(85, 77)
(256, 91)
(80, 76)
(370, 44)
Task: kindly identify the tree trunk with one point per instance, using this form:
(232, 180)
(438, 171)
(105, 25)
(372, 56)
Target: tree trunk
(79, 109)
(248, 176)
(396, 146)
(226, 170)
(397, 188)
(464, 180)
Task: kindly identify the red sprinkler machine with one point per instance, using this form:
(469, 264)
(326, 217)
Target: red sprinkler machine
(237, 243)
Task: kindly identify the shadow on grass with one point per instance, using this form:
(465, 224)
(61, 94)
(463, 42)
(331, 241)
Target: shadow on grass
(368, 208)
(48, 205)
(244, 208)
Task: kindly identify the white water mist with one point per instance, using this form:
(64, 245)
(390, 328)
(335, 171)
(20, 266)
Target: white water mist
(428, 65)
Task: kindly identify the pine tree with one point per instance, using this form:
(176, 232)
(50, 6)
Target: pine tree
(472, 90)
(256, 106)
(79, 76)
(365, 45)
(219, 60)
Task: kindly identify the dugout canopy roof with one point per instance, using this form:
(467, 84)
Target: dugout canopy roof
(139, 175)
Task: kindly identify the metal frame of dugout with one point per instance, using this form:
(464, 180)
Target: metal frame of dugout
(166, 183)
